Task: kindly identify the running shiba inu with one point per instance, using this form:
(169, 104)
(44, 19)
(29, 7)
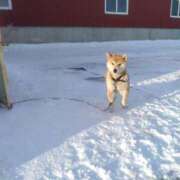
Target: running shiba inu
(117, 79)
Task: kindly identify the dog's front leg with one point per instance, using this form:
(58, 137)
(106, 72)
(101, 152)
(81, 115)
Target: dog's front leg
(110, 96)
(124, 100)
(110, 87)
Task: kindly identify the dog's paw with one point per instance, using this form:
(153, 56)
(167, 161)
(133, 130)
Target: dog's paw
(109, 108)
(124, 106)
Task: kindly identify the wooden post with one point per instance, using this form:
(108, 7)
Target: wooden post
(4, 99)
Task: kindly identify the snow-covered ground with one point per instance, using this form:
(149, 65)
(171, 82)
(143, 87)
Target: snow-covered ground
(57, 131)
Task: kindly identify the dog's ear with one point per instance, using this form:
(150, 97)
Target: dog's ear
(109, 55)
(125, 57)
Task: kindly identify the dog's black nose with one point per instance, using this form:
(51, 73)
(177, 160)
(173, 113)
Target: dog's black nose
(115, 70)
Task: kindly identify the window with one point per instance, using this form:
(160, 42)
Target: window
(116, 6)
(5, 4)
(175, 8)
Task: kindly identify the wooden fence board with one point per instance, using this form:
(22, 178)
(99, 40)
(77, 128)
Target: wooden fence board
(4, 99)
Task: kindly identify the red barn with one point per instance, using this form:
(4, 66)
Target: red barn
(89, 20)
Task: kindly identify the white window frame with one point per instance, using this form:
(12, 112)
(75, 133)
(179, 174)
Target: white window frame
(116, 12)
(9, 7)
(172, 16)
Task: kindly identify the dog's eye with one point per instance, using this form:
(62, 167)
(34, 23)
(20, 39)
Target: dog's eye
(119, 64)
(113, 64)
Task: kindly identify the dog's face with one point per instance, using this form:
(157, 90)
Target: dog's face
(116, 63)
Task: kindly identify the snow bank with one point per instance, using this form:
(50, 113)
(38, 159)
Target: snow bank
(57, 129)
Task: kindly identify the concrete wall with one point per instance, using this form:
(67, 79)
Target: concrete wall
(84, 34)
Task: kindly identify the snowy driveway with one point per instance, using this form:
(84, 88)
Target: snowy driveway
(57, 131)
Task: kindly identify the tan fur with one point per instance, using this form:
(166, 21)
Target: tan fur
(117, 63)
